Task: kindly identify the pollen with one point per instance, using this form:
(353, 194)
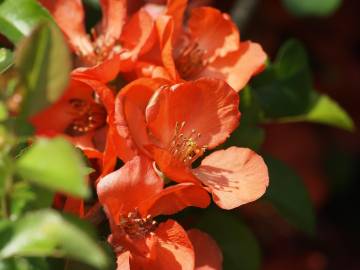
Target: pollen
(190, 60)
(185, 148)
(88, 117)
(137, 227)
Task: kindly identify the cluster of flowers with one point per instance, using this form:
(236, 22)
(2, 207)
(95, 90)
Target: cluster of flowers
(180, 72)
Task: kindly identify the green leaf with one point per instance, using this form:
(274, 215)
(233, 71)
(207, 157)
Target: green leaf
(3, 111)
(6, 59)
(285, 87)
(47, 233)
(18, 18)
(239, 246)
(26, 197)
(20, 196)
(327, 111)
(248, 134)
(289, 196)
(54, 164)
(312, 7)
(43, 61)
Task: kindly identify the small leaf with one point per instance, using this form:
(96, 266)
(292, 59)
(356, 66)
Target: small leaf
(6, 59)
(289, 196)
(54, 164)
(47, 233)
(327, 111)
(239, 246)
(312, 7)
(18, 18)
(43, 61)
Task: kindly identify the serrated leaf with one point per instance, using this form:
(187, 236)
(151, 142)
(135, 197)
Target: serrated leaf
(6, 59)
(47, 233)
(312, 7)
(289, 196)
(54, 164)
(43, 61)
(239, 246)
(18, 18)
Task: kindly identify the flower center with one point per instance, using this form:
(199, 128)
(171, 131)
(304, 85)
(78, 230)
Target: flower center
(137, 227)
(183, 148)
(190, 60)
(99, 49)
(89, 116)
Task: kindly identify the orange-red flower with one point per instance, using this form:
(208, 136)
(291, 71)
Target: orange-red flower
(132, 196)
(175, 124)
(114, 43)
(208, 46)
(82, 115)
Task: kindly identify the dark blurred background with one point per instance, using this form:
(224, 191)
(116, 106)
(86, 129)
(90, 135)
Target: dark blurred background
(328, 159)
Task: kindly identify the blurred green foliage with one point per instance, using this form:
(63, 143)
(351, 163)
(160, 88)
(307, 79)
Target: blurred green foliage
(312, 7)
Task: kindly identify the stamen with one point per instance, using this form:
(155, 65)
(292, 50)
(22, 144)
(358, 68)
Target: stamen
(185, 148)
(89, 116)
(137, 227)
(190, 60)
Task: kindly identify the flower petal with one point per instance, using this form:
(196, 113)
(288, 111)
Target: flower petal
(207, 106)
(123, 261)
(176, 9)
(208, 255)
(106, 70)
(236, 68)
(122, 190)
(165, 28)
(61, 112)
(74, 206)
(175, 198)
(114, 15)
(139, 34)
(174, 250)
(69, 15)
(221, 35)
(235, 176)
(130, 122)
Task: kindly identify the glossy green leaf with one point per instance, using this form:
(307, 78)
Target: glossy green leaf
(6, 59)
(54, 164)
(285, 87)
(47, 233)
(239, 246)
(43, 61)
(312, 7)
(327, 111)
(19, 17)
(289, 196)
